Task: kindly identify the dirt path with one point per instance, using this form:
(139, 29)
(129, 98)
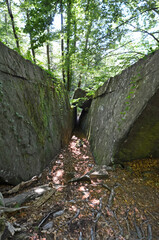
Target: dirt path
(123, 204)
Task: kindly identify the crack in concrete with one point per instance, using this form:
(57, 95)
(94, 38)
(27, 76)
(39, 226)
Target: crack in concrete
(13, 75)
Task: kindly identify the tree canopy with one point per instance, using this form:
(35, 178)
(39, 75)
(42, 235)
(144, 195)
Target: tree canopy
(96, 39)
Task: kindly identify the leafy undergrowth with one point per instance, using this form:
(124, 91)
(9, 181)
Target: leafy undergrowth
(125, 205)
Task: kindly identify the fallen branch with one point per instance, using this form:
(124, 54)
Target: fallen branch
(111, 198)
(151, 215)
(106, 186)
(127, 223)
(139, 233)
(100, 174)
(112, 195)
(100, 204)
(82, 178)
(70, 221)
(142, 229)
(92, 234)
(55, 213)
(149, 232)
(99, 212)
(120, 228)
(10, 210)
(44, 198)
(97, 217)
(96, 172)
(74, 217)
(23, 185)
(80, 236)
(26, 196)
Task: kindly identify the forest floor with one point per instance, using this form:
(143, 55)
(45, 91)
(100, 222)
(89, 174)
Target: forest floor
(122, 204)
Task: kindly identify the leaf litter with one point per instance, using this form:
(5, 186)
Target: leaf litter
(122, 205)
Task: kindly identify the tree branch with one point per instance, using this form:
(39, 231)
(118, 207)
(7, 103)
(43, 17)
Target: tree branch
(145, 31)
(128, 20)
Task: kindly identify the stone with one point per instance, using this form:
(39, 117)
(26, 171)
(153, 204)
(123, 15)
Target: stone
(35, 115)
(48, 226)
(122, 123)
(85, 101)
(58, 213)
(79, 93)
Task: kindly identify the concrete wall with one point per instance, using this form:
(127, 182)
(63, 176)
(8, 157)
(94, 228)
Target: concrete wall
(35, 117)
(122, 123)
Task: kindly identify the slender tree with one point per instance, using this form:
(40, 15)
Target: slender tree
(48, 50)
(13, 24)
(6, 27)
(31, 38)
(62, 41)
(68, 35)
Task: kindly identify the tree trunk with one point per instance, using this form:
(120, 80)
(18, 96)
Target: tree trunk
(87, 35)
(68, 62)
(89, 25)
(32, 49)
(75, 36)
(13, 24)
(48, 50)
(48, 55)
(89, 21)
(31, 40)
(62, 44)
(6, 27)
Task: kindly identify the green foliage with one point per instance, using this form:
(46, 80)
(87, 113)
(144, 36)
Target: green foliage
(78, 101)
(101, 38)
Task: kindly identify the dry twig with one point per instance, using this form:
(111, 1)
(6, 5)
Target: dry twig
(149, 232)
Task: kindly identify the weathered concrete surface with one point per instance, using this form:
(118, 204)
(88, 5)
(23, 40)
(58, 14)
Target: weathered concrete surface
(122, 123)
(35, 117)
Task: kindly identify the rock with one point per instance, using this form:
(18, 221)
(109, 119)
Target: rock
(11, 210)
(58, 213)
(79, 93)
(122, 123)
(47, 226)
(35, 115)
(86, 104)
(84, 101)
